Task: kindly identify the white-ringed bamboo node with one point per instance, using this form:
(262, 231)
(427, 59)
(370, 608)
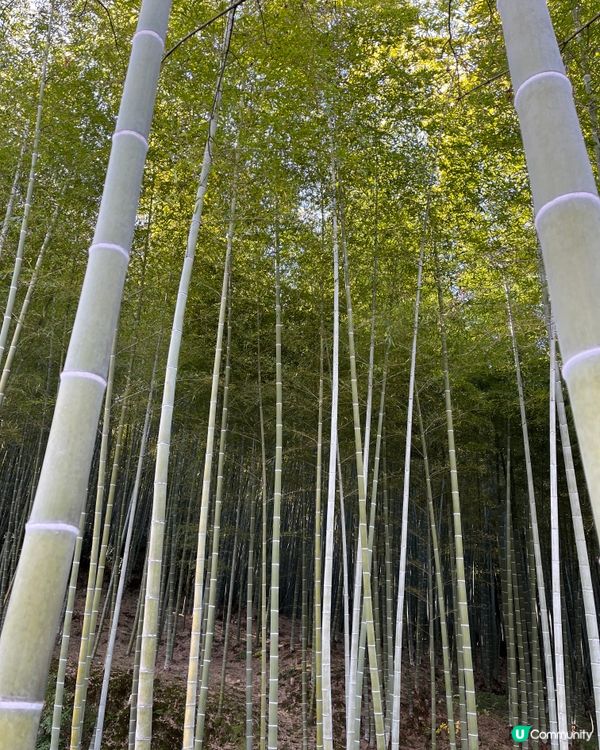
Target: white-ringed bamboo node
(110, 246)
(538, 77)
(152, 34)
(85, 375)
(139, 136)
(54, 526)
(17, 704)
(579, 357)
(580, 195)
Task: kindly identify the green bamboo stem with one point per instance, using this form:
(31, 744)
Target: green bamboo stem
(199, 583)
(137, 635)
(461, 589)
(272, 732)
(25, 306)
(304, 638)
(66, 639)
(318, 582)
(396, 687)
(439, 582)
(131, 512)
(232, 579)
(216, 525)
(557, 625)
(539, 570)
(345, 583)
(431, 620)
(567, 212)
(31, 623)
(326, 688)
(363, 534)
(249, 731)
(35, 150)
(86, 629)
(263, 564)
(523, 712)
(371, 539)
(157, 525)
(14, 188)
(511, 656)
(589, 603)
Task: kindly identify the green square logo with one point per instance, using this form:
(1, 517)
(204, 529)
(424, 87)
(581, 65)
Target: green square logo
(520, 733)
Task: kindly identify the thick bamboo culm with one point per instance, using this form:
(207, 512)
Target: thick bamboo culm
(31, 623)
(567, 211)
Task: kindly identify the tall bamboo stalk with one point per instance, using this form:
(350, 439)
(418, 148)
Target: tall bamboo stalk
(567, 211)
(14, 188)
(25, 305)
(199, 585)
(249, 628)
(131, 511)
(216, 524)
(31, 622)
(331, 485)
(273, 726)
(318, 582)
(35, 149)
(157, 525)
(364, 555)
(511, 657)
(461, 587)
(439, 583)
(557, 625)
(587, 587)
(539, 569)
(396, 687)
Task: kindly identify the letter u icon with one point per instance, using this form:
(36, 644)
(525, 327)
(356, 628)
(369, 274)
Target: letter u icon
(520, 733)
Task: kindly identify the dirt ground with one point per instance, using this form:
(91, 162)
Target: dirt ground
(225, 729)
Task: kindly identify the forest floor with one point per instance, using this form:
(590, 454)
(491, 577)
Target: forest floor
(225, 729)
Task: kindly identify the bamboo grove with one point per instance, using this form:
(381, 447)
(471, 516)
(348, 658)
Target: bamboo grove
(298, 374)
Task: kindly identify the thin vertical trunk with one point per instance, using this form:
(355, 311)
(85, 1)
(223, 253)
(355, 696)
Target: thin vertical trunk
(232, 579)
(511, 657)
(86, 628)
(439, 583)
(157, 525)
(318, 583)
(25, 306)
(97, 739)
(14, 282)
(367, 612)
(592, 105)
(461, 588)
(66, 639)
(589, 603)
(539, 569)
(199, 584)
(431, 620)
(263, 571)
(14, 189)
(557, 625)
(216, 523)
(396, 689)
(249, 628)
(331, 484)
(272, 742)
